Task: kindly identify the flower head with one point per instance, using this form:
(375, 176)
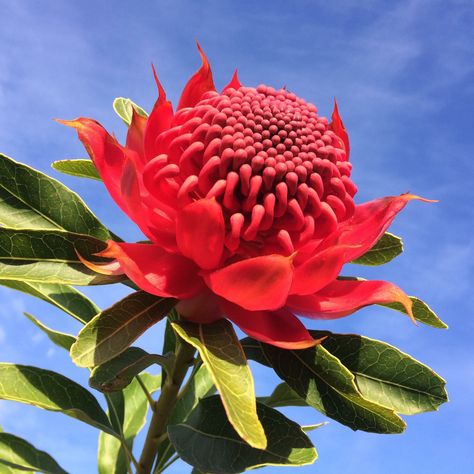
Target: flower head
(247, 200)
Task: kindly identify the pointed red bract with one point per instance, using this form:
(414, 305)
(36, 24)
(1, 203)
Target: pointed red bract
(200, 83)
(370, 221)
(343, 297)
(255, 283)
(200, 232)
(339, 129)
(234, 83)
(136, 134)
(279, 328)
(158, 121)
(156, 271)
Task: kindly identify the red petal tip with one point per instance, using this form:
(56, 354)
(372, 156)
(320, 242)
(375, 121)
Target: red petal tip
(109, 268)
(234, 82)
(161, 91)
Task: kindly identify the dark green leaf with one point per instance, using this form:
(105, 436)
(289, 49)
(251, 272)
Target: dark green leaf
(81, 168)
(49, 257)
(61, 339)
(123, 107)
(283, 396)
(221, 352)
(387, 248)
(64, 297)
(200, 386)
(51, 391)
(118, 372)
(322, 380)
(31, 200)
(207, 441)
(421, 311)
(18, 453)
(112, 457)
(386, 375)
(113, 330)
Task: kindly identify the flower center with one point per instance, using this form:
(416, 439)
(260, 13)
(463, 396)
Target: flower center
(277, 169)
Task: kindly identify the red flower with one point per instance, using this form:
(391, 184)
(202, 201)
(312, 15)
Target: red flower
(247, 200)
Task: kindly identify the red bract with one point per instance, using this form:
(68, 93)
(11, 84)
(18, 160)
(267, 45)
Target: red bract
(247, 199)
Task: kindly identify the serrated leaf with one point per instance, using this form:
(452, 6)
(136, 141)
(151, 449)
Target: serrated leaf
(221, 352)
(61, 339)
(18, 453)
(283, 396)
(387, 248)
(207, 441)
(421, 312)
(124, 107)
(30, 199)
(112, 458)
(325, 384)
(113, 330)
(201, 385)
(49, 257)
(51, 391)
(64, 297)
(385, 375)
(119, 372)
(82, 168)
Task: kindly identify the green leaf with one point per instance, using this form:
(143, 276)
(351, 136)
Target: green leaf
(387, 248)
(112, 457)
(4, 469)
(18, 453)
(421, 311)
(325, 384)
(207, 441)
(200, 385)
(119, 372)
(31, 200)
(386, 375)
(123, 108)
(51, 391)
(61, 339)
(308, 428)
(283, 396)
(64, 297)
(82, 168)
(49, 257)
(221, 352)
(113, 330)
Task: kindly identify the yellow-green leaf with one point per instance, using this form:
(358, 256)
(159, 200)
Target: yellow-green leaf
(223, 356)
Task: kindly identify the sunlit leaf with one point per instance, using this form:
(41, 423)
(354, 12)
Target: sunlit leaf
(221, 352)
(61, 339)
(124, 107)
(387, 248)
(82, 168)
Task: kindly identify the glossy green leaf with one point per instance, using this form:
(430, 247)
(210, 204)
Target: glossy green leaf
(119, 372)
(421, 311)
(51, 391)
(30, 199)
(61, 339)
(124, 107)
(308, 428)
(18, 453)
(207, 441)
(387, 248)
(82, 168)
(115, 329)
(49, 257)
(283, 396)
(4, 469)
(112, 457)
(200, 385)
(221, 352)
(327, 385)
(64, 297)
(385, 375)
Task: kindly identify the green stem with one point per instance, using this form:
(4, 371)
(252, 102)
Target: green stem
(167, 465)
(164, 406)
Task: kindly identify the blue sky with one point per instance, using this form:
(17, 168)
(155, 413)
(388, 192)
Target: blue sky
(403, 76)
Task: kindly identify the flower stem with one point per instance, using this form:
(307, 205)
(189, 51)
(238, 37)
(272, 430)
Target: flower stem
(164, 405)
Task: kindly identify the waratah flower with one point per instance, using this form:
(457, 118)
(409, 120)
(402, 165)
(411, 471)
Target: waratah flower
(247, 199)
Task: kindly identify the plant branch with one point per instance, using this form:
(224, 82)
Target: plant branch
(164, 405)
